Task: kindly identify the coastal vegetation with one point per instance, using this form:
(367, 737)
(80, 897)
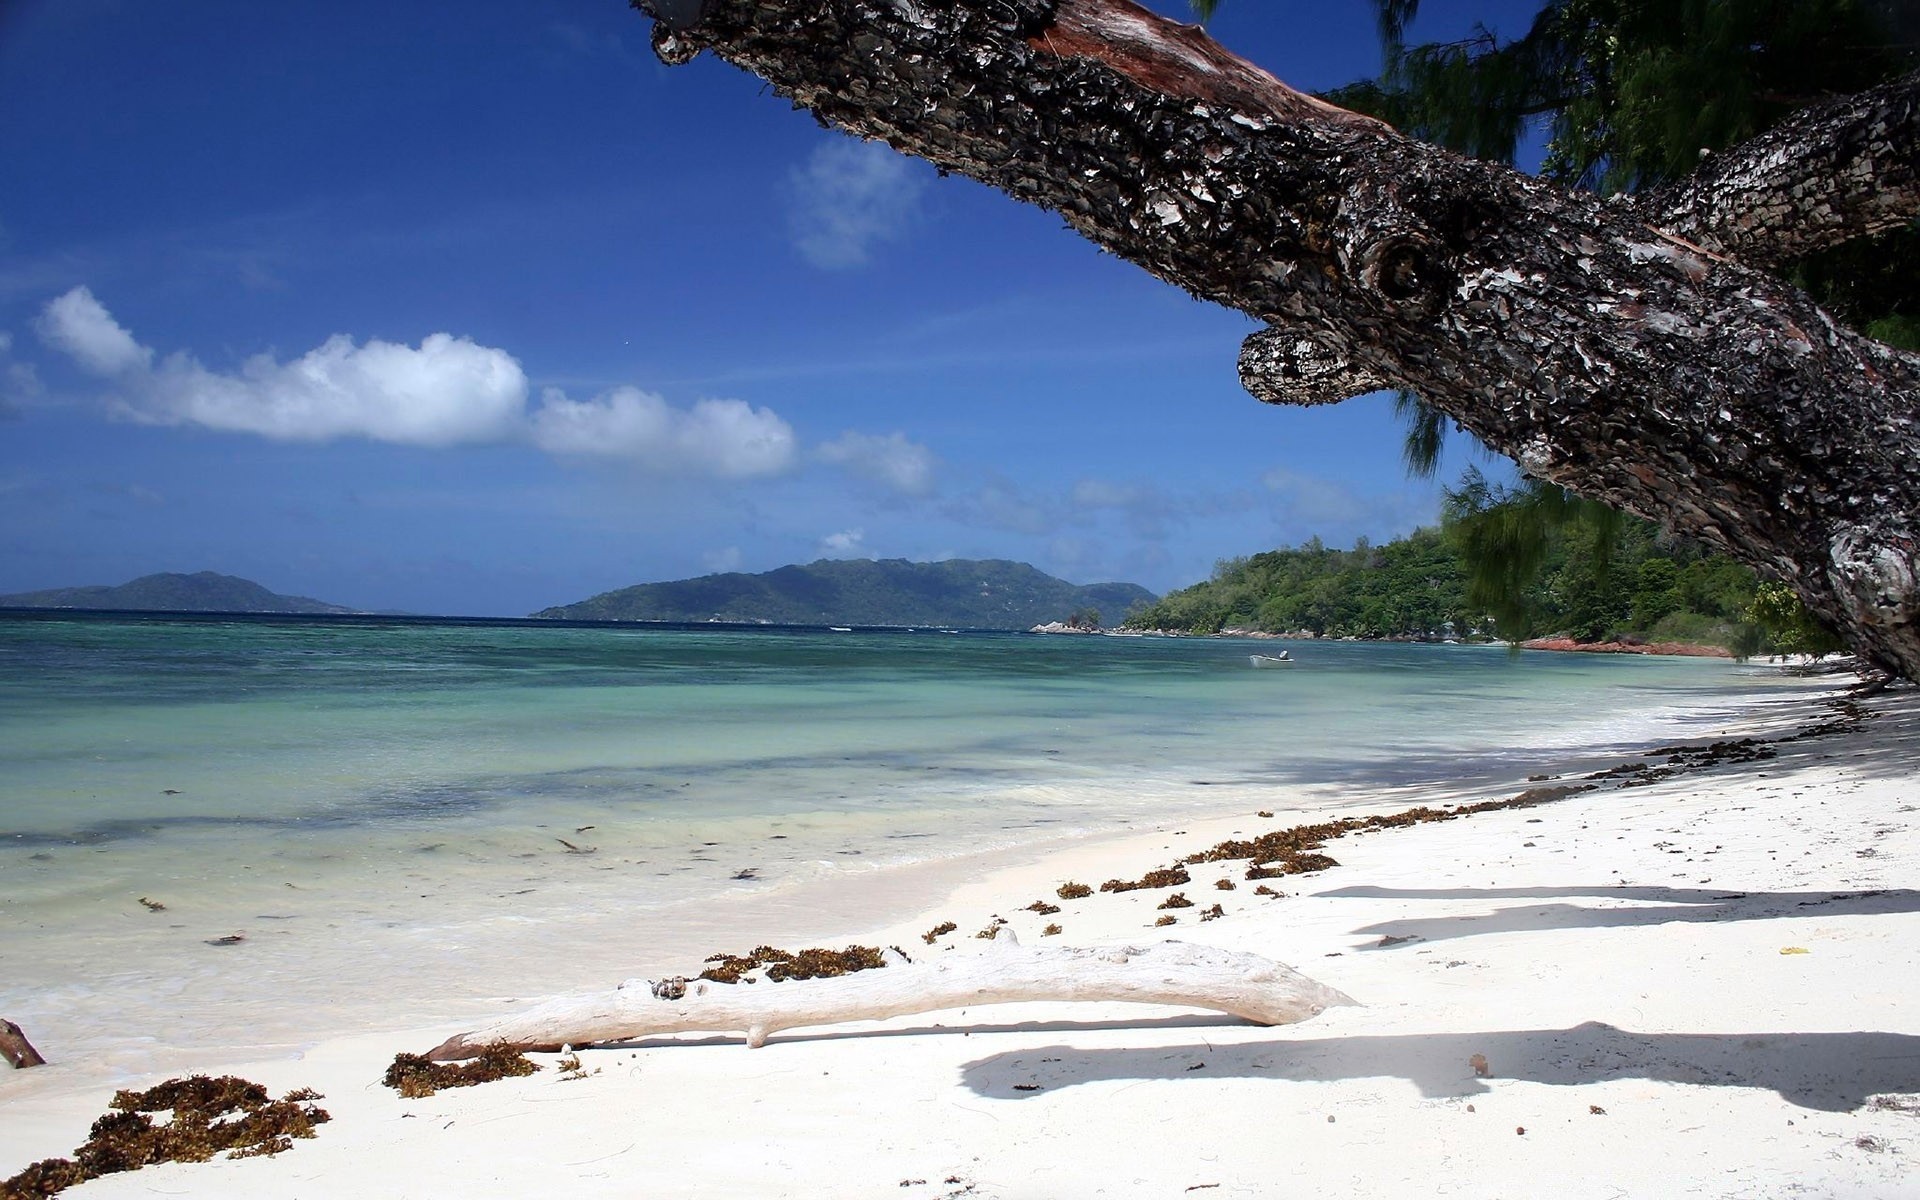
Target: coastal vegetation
(1634, 584)
(958, 593)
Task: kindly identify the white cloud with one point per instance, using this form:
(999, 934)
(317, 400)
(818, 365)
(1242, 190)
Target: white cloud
(727, 558)
(891, 459)
(849, 197)
(848, 543)
(728, 438)
(80, 326)
(446, 391)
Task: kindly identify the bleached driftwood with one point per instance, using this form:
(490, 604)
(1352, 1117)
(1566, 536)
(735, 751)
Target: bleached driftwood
(16, 1049)
(1179, 973)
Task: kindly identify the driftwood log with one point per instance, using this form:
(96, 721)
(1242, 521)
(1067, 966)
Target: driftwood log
(1637, 350)
(16, 1049)
(1177, 973)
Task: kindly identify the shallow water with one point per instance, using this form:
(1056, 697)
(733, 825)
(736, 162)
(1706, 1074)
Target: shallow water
(388, 811)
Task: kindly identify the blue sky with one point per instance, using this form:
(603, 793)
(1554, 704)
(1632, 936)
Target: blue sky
(476, 308)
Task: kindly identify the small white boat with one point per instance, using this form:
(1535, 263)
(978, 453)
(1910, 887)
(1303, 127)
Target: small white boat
(1283, 659)
(841, 628)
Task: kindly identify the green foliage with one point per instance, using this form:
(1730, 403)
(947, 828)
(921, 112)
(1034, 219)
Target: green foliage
(1631, 92)
(1785, 625)
(1410, 587)
(1576, 568)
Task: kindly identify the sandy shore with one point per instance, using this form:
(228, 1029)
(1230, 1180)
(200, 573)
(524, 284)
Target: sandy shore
(1707, 985)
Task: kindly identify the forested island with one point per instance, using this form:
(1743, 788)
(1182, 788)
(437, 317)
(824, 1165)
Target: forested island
(1638, 586)
(168, 591)
(957, 593)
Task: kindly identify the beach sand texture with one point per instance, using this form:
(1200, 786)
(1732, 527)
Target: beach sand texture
(1706, 985)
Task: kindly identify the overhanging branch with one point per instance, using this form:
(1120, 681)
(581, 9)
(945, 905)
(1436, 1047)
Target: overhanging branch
(1845, 169)
(1609, 357)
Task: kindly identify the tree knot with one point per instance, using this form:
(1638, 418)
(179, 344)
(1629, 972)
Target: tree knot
(1409, 271)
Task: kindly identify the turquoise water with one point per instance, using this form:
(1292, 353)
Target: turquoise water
(379, 806)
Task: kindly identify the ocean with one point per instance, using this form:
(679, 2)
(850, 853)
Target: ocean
(371, 819)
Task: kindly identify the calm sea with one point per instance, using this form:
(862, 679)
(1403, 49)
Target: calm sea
(403, 816)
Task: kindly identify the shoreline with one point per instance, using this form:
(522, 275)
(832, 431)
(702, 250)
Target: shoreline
(1564, 645)
(44, 1115)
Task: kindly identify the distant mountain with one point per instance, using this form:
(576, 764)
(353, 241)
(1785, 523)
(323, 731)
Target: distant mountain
(201, 592)
(958, 593)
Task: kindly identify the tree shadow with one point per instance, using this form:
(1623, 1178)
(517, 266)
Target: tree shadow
(1831, 1072)
(1658, 906)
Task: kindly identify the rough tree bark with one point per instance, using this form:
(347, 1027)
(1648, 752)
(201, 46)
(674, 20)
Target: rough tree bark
(1620, 359)
(1178, 973)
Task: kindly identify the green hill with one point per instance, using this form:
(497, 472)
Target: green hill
(203, 591)
(959, 593)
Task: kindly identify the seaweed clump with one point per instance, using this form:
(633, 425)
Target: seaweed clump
(807, 964)
(1043, 908)
(1177, 900)
(1165, 877)
(415, 1075)
(1296, 851)
(1074, 891)
(210, 1115)
(938, 931)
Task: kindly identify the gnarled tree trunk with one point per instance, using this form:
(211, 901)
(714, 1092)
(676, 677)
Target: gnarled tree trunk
(1603, 344)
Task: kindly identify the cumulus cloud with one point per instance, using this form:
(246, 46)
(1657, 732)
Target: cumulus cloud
(728, 438)
(848, 543)
(849, 197)
(446, 391)
(80, 326)
(891, 460)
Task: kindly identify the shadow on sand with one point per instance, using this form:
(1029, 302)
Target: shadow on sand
(1832, 1072)
(1653, 906)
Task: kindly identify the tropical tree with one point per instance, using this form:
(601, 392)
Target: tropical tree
(1631, 94)
(1637, 349)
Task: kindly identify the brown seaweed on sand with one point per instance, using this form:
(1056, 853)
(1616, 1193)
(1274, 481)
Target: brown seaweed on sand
(210, 1115)
(1074, 891)
(806, 964)
(1164, 877)
(415, 1076)
(938, 931)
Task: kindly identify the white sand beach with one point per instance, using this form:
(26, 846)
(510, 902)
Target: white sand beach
(1706, 985)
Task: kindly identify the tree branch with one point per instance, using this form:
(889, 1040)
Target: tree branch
(1178, 973)
(1606, 356)
(1845, 169)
